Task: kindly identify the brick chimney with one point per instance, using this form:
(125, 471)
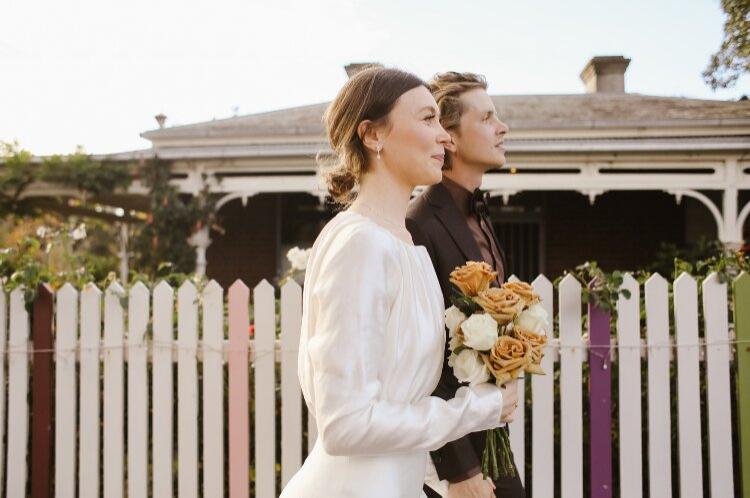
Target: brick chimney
(355, 67)
(605, 74)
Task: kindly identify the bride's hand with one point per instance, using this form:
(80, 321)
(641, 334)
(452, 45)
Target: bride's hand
(474, 487)
(510, 400)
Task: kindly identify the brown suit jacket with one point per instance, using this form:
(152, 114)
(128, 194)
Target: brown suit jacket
(434, 221)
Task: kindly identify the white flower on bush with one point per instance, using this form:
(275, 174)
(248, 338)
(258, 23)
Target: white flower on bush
(298, 258)
(469, 367)
(534, 319)
(480, 331)
(42, 231)
(79, 232)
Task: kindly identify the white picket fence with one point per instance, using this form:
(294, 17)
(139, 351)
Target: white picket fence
(142, 333)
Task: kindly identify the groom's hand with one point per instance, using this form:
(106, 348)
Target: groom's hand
(510, 400)
(473, 487)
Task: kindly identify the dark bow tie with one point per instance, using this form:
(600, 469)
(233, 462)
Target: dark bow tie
(478, 202)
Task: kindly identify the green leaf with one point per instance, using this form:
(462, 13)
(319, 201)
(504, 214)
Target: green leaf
(465, 304)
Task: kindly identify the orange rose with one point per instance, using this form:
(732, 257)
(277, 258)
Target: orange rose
(507, 358)
(501, 304)
(536, 342)
(524, 290)
(473, 277)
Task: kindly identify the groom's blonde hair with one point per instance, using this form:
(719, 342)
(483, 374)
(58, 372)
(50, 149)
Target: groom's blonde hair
(447, 89)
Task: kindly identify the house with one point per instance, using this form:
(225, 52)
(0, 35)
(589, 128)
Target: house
(605, 175)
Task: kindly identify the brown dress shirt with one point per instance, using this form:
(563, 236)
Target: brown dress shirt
(479, 226)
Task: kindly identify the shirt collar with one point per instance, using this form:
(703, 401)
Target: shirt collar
(460, 194)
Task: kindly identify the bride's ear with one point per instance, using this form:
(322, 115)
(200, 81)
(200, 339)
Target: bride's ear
(368, 134)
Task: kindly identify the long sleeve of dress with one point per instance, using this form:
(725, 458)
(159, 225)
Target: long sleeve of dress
(352, 298)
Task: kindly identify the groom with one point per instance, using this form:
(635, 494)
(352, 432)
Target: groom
(451, 220)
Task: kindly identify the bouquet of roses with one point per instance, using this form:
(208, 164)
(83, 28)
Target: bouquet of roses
(496, 333)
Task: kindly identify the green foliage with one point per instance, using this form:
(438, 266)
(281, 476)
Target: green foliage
(726, 264)
(605, 286)
(669, 259)
(699, 260)
(465, 304)
(54, 256)
(16, 175)
(732, 59)
(166, 272)
(161, 243)
(77, 171)
(172, 220)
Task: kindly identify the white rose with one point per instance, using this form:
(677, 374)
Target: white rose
(298, 258)
(469, 367)
(480, 331)
(534, 319)
(454, 342)
(453, 318)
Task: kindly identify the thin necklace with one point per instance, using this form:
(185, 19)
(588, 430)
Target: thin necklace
(399, 227)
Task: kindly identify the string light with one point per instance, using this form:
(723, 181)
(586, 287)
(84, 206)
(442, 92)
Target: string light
(203, 347)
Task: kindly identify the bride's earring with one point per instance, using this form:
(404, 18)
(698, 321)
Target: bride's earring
(378, 147)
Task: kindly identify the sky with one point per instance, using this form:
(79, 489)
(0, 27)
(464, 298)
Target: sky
(95, 73)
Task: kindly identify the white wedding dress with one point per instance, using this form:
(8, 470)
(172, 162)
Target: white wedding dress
(370, 355)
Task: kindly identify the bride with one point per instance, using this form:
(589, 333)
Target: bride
(372, 338)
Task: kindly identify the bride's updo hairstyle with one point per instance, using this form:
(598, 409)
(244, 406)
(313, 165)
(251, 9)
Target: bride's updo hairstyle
(368, 95)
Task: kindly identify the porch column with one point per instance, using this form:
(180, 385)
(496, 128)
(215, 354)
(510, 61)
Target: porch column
(732, 238)
(201, 240)
(124, 270)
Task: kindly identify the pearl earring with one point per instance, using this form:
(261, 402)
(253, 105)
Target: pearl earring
(378, 147)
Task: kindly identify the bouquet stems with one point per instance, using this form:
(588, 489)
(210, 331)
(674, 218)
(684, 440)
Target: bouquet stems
(497, 460)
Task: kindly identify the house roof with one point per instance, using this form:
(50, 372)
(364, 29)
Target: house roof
(520, 112)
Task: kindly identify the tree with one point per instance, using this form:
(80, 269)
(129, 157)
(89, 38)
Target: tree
(733, 58)
(161, 242)
(172, 219)
(19, 169)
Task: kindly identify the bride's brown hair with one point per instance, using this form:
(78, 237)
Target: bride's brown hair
(368, 95)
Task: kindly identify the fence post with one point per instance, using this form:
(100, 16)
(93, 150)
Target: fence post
(41, 394)
(629, 392)
(239, 418)
(571, 380)
(600, 401)
(741, 287)
(718, 395)
(687, 351)
(265, 390)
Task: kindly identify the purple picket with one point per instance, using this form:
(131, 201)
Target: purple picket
(600, 402)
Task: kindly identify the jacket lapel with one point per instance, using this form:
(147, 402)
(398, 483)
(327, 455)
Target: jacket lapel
(451, 218)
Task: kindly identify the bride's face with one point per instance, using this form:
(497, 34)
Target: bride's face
(413, 142)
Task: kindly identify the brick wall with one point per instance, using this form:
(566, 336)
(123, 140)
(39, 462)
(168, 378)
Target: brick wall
(249, 248)
(622, 230)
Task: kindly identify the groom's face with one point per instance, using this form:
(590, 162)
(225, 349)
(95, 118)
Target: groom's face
(480, 137)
